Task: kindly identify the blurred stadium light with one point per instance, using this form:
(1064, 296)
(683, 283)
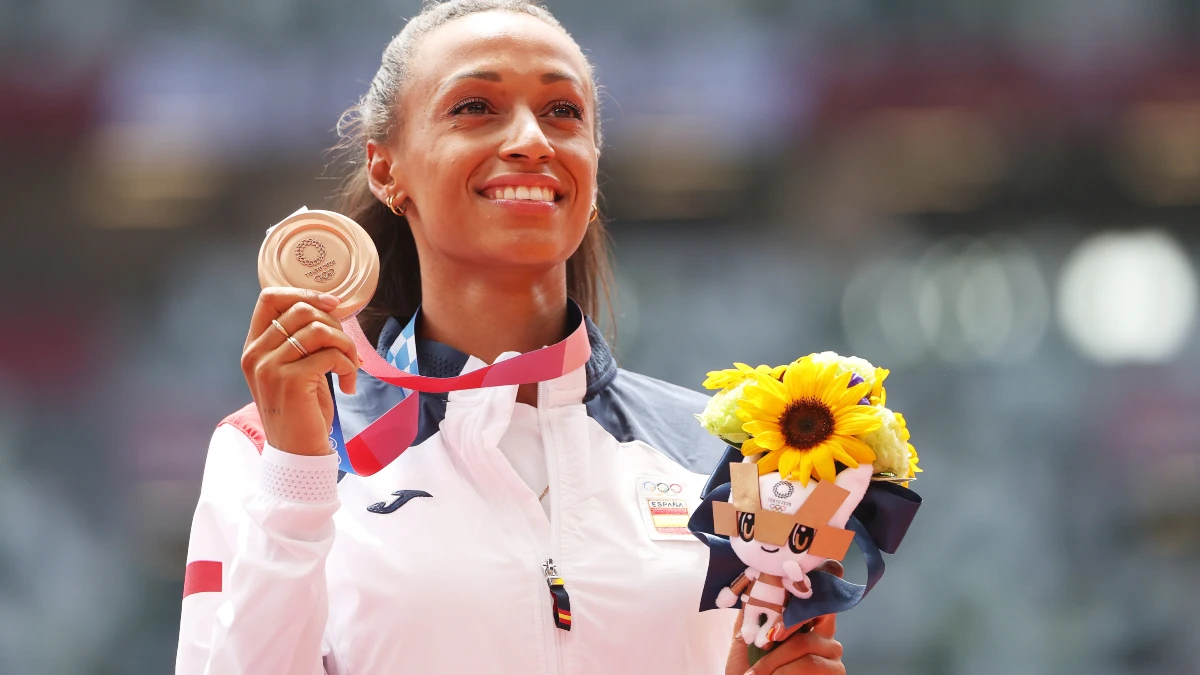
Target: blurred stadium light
(1128, 297)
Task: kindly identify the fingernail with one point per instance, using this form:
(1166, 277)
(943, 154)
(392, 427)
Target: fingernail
(750, 672)
(329, 299)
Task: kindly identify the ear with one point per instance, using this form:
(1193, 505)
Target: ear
(856, 481)
(384, 174)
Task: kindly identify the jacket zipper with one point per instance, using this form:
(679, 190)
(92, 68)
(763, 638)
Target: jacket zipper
(549, 567)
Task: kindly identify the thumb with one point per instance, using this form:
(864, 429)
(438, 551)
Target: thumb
(832, 567)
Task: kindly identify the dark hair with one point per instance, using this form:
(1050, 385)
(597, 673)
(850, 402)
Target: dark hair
(589, 274)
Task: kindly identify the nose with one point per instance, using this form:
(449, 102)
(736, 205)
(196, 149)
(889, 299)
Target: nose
(526, 140)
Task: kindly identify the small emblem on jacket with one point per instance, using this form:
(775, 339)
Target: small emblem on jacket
(402, 498)
(665, 507)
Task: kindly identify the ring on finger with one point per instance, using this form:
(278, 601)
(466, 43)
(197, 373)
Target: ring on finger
(275, 322)
(299, 347)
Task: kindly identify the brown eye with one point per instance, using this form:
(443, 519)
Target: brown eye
(801, 539)
(471, 106)
(565, 109)
(746, 526)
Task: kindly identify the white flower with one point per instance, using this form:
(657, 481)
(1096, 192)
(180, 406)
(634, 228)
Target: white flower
(854, 364)
(720, 415)
(889, 444)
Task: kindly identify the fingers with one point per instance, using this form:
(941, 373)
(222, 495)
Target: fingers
(313, 329)
(321, 342)
(801, 650)
(822, 625)
(832, 567)
(274, 301)
(826, 626)
(327, 360)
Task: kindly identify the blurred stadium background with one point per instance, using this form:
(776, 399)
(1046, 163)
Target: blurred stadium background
(995, 199)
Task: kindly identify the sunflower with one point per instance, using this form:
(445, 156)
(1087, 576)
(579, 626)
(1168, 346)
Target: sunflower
(806, 421)
(732, 377)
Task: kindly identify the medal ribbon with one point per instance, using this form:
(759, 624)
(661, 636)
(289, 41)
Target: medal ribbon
(385, 439)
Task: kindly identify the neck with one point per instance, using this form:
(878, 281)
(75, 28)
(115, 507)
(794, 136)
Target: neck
(486, 312)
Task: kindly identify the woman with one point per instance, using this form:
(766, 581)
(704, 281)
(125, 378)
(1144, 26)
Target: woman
(477, 147)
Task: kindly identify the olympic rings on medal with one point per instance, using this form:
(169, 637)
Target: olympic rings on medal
(662, 488)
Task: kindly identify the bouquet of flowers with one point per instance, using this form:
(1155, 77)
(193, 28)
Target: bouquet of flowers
(817, 461)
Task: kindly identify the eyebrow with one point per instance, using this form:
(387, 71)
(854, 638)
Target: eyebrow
(493, 76)
(489, 75)
(551, 78)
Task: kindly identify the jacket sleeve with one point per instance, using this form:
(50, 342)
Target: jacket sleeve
(255, 596)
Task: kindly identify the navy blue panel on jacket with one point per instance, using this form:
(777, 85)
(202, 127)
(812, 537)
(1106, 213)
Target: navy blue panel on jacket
(630, 406)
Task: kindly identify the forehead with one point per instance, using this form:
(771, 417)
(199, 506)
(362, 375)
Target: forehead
(504, 42)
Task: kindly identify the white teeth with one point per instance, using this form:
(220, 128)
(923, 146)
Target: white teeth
(522, 192)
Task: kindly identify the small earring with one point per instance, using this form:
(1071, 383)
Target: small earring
(595, 213)
(401, 211)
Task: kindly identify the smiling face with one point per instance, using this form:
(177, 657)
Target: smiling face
(495, 154)
(787, 497)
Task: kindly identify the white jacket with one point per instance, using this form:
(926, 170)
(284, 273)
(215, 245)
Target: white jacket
(289, 573)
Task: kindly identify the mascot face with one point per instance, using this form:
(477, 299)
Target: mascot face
(786, 497)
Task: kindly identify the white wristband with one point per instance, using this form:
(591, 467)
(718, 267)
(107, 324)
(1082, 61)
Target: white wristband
(298, 478)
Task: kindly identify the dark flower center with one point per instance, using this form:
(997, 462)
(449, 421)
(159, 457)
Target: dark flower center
(806, 423)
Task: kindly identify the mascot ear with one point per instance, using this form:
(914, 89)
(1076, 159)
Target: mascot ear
(856, 482)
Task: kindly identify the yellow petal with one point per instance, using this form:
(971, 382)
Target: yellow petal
(764, 403)
(824, 466)
(797, 382)
(857, 449)
(750, 448)
(787, 464)
(824, 382)
(855, 421)
(853, 395)
(759, 426)
(840, 454)
(771, 386)
(769, 463)
(804, 471)
(877, 390)
(771, 440)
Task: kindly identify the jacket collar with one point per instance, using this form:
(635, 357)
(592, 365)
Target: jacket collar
(435, 359)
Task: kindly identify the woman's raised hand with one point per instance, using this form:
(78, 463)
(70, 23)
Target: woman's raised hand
(815, 652)
(292, 344)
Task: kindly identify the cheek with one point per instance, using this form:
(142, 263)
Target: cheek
(579, 157)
